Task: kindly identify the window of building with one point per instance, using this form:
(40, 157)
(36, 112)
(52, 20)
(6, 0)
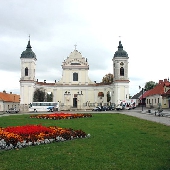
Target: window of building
(158, 100)
(121, 71)
(75, 76)
(26, 71)
(100, 94)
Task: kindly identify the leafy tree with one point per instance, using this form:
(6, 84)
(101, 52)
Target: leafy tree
(39, 95)
(108, 96)
(150, 85)
(108, 78)
(49, 97)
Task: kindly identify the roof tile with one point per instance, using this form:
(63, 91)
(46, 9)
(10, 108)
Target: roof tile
(158, 89)
(9, 97)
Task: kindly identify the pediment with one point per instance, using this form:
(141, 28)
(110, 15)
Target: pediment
(75, 62)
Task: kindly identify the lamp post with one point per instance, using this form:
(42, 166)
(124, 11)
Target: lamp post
(142, 99)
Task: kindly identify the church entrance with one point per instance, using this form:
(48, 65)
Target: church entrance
(74, 102)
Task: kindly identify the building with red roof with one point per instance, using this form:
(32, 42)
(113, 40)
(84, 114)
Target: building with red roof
(159, 95)
(9, 100)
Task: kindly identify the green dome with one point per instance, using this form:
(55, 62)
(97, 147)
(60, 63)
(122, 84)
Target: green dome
(120, 52)
(28, 53)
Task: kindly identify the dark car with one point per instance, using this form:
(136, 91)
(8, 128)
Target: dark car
(111, 108)
(12, 110)
(96, 108)
(104, 108)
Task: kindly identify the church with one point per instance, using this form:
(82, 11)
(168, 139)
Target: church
(75, 90)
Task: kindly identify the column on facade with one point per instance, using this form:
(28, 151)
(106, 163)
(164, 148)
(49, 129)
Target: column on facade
(95, 97)
(30, 99)
(87, 101)
(126, 92)
(78, 101)
(71, 76)
(67, 98)
(79, 77)
(55, 95)
(86, 77)
(117, 94)
(22, 94)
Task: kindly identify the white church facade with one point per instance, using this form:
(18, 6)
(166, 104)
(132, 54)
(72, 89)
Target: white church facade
(75, 89)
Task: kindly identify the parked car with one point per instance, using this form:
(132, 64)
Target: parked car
(12, 110)
(104, 108)
(111, 108)
(120, 107)
(96, 108)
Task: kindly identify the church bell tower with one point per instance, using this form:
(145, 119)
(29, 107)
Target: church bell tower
(120, 73)
(27, 80)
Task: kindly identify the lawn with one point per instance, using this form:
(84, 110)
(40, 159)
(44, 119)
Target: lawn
(117, 142)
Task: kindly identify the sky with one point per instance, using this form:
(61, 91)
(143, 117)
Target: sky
(96, 27)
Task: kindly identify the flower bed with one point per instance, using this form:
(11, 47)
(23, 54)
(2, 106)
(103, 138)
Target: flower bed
(57, 116)
(22, 136)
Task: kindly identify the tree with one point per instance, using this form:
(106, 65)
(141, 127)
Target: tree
(49, 97)
(39, 95)
(150, 85)
(108, 78)
(108, 96)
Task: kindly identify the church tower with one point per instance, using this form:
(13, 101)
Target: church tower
(120, 73)
(27, 80)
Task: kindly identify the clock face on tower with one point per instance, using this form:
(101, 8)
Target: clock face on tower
(121, 63)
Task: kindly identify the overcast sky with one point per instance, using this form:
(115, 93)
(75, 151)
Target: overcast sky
(55, 26)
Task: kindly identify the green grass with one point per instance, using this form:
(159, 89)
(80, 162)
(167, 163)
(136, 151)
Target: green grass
(117, 142)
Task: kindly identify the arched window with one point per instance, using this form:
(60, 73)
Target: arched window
(121, 71)
(100, 94)
(26, 71)
(75, 76)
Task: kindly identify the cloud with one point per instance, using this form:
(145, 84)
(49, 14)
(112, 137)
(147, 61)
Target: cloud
(95, 26)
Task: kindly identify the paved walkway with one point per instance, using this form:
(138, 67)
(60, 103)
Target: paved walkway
(149, 116)
(136, 113)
